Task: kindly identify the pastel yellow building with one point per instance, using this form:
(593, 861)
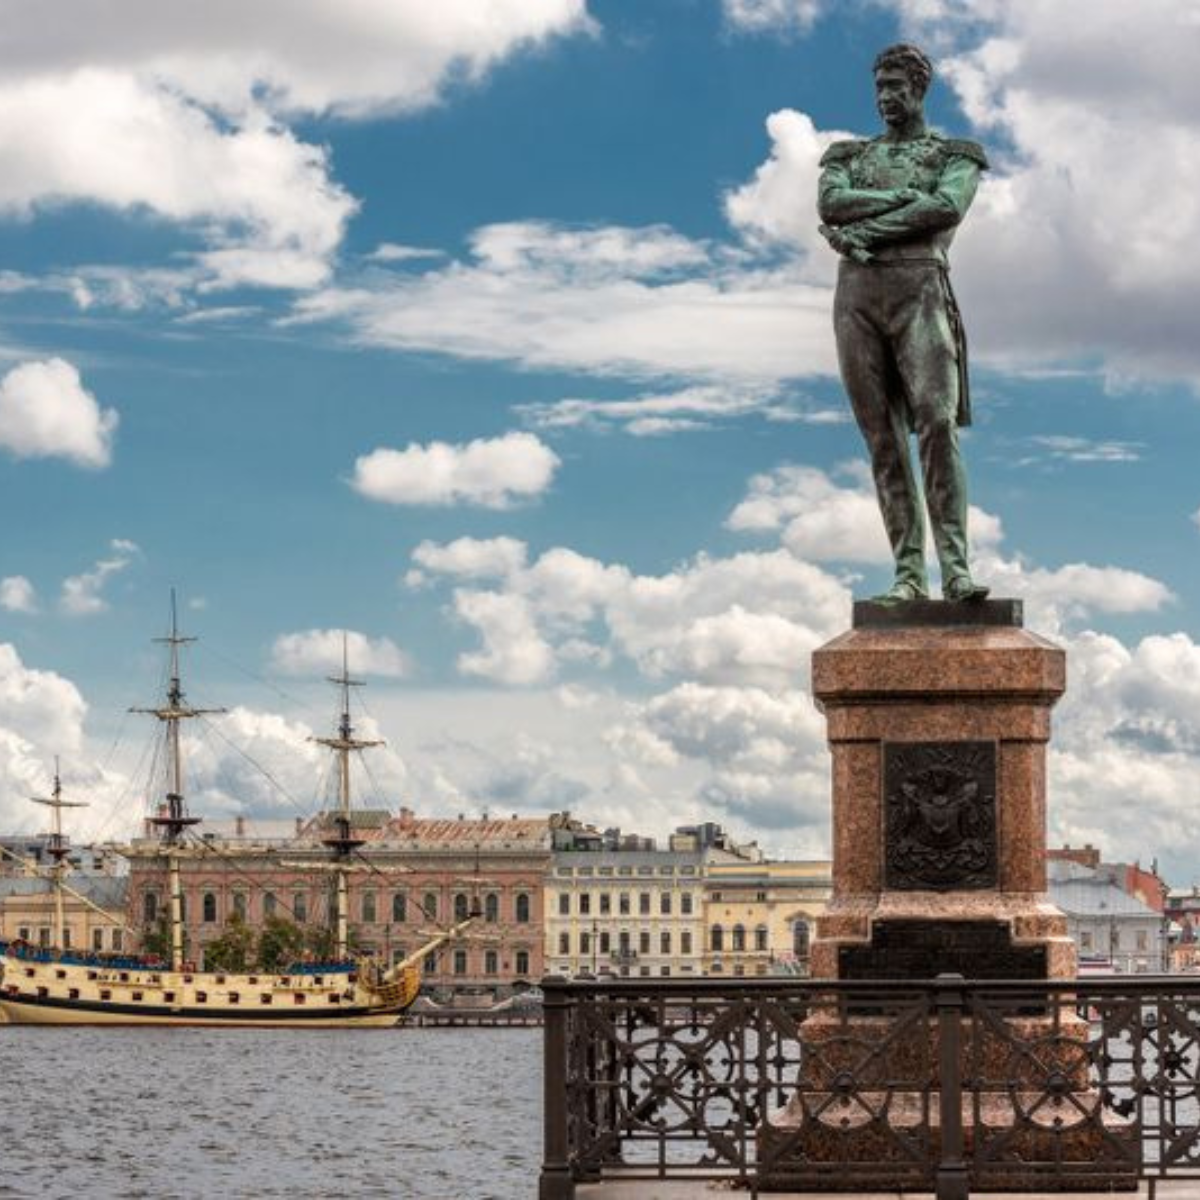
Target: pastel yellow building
(760, 916)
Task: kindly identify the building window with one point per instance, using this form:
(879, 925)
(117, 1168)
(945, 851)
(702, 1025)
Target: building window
(491, 962)
(664, 942)
(585, 903)
(208, 907)
(800, 939)
(239, 905)
(664, 903)
(644, 904)
(739, 937)
(605, 943)
(270, 904)
(564, 943)
(399, 906)
(300, 907)
(718, 939)
(429, 906)
(1085, 939)
(97, 939)
(462, 906)
(760, 938)
(623, 904)
(118, 939)
(370, 912)
(685, 942)
(66, 936)
(564, 904)
(643, 942)
(431, 963)
(605, 903)
(491, 907)
(522, 962)
(1141, 940)
(523, 909)
(585, 943)
(150, 907)
(685, 904)
(460, 962)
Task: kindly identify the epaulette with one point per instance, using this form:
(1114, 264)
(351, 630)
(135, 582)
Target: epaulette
(972, 150)
(842, 151)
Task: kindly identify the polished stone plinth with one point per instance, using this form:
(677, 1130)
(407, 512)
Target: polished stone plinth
(959, 696)
(938, 719)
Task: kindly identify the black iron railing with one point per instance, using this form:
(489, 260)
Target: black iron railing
(948, 1085)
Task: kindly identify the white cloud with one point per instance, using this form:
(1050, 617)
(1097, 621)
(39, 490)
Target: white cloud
(17, 594)
(513, 650)
(315, 652)
(82, 595)
(472, 558)
(642, 303)
(699, 407)
(40, 707)
(825, 521)
(775, 16)
(46, 412)
(749, 618)
(186, 117)
(492, 473)
(1070, 448)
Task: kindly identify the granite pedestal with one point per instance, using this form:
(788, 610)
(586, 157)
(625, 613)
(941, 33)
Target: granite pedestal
(938, 720)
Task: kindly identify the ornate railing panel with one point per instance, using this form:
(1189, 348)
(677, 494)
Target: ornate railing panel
(821, 1085)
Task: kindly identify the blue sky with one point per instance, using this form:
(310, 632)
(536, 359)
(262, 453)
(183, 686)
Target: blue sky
(504, 344)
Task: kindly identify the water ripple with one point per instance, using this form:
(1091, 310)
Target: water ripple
(192, 1113)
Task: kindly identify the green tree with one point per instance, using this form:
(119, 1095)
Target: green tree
(280, 944)
(233, 950)
(156, 939)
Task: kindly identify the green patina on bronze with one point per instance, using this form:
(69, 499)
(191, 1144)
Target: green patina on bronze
(890, 207)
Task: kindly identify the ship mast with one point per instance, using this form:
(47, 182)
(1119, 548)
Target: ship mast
(175, 819)
(342, 843)
(58, 849)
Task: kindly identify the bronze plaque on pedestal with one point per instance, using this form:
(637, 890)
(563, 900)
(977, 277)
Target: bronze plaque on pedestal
(939, 803)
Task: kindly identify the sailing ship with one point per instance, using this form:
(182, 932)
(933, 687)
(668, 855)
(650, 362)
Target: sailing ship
(58, 986)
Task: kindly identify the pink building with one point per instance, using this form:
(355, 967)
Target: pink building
(412, 875)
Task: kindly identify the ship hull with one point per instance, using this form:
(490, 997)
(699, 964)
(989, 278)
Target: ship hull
(56, 991)
(67, 1012)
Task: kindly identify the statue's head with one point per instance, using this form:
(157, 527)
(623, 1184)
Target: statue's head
(902, 77)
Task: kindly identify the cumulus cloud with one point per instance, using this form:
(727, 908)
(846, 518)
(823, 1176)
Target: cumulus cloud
(17, 594)
(472, 558)
(489, 472)
(46, 412)
(320, 652)
(83, 594)
(752, 617)
(825, 520)
(196, 111)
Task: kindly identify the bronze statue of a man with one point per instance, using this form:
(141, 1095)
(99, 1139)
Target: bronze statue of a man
(890, 207)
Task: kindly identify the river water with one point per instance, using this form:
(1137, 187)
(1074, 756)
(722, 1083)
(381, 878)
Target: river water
(434, 1114)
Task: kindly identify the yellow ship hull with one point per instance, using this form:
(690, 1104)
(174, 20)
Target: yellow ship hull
(65, 993)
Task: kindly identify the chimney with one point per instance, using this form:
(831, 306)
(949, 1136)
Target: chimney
(406, 815)
(239, 826)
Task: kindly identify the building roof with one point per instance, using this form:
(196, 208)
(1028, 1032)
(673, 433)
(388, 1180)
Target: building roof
(1097, 898)
(628, 858)
(104, 890)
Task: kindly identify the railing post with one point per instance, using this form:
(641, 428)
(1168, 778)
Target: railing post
(952, 1183)
(556, 1182)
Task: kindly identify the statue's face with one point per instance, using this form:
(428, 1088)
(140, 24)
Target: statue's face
(896, 96)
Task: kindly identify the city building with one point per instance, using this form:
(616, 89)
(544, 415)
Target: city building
(1112, 930)
(616, 904)
(760, 916)
(94, 923)
(415, 875)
